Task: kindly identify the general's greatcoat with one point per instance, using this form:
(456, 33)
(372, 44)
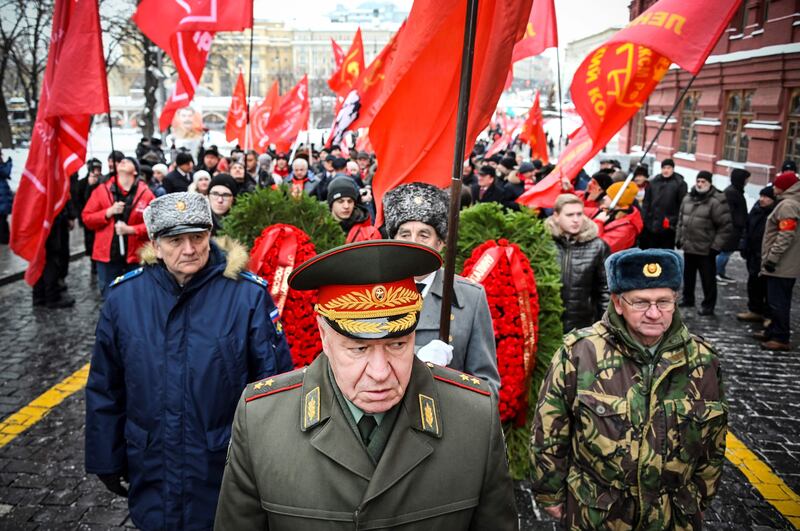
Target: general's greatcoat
(296, 463)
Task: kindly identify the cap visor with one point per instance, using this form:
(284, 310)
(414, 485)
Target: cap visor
(182, 229)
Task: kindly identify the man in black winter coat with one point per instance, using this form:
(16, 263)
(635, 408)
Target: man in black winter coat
(750, 247)
(582, 255)
(487, 189)
(734, 195)
(179, 179)
(662, 202)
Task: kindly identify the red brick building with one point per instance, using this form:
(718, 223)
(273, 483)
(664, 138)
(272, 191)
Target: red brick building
(743, 110)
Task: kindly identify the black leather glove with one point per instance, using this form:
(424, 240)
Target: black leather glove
(113, 482)
(769, 266)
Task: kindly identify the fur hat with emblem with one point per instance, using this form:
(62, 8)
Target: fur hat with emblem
(416, 202)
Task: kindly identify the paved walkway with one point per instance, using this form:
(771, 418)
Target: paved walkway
(43, 486)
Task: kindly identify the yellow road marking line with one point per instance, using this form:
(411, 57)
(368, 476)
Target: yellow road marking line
(29, 415)
(772, 488)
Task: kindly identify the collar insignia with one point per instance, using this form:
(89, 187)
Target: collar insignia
(311, 408)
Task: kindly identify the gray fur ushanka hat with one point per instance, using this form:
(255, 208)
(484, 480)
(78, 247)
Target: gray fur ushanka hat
(416, 202)
(177, 213)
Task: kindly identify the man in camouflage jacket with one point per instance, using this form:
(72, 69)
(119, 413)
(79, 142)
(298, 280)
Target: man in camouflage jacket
(630, 426)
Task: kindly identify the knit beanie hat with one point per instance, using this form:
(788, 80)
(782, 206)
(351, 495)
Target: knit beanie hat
(768, 191)
(628, 195)
(342, 187)
(226, 180)
(603, 179)
(785, 180)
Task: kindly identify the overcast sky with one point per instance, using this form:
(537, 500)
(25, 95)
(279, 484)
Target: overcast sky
(576, 18)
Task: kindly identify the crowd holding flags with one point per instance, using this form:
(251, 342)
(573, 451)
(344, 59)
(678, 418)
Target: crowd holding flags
(615, 80)
(58, 144)
(417, 69)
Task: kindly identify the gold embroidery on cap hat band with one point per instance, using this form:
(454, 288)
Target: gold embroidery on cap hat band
(354, 326)
(366, 304)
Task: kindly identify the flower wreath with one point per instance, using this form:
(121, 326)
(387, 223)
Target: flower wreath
(506, 275)
(274, 256)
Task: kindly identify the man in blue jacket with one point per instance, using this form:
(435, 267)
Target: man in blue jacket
(177, 342)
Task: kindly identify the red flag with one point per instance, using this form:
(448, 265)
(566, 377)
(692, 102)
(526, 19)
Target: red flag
(338, 53)
(291, 115)
(58, 143)
(541, 32)
(577, 153)
(159, 20)
(343, 80)
(359, 107)
(259, 118)
(185, 30)
(533, 132)
(414, 131)
(236, 125)
(616, 79)
(191, 51)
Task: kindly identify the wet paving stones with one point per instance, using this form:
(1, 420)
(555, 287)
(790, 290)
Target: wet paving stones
(43, 485)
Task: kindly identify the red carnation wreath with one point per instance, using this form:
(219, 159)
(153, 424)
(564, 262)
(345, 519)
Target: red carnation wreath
(274, 255)
(506, 275)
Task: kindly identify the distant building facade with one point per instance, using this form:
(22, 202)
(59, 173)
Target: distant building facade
(743, 110)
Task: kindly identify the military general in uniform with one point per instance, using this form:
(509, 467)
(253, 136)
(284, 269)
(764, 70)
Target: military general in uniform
(368, 436)
(630, 426)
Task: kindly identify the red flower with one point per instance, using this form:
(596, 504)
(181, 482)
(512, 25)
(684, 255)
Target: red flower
(298, 317)
(505, 304)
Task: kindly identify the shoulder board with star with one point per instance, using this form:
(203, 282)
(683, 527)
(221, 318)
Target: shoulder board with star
(252, 277)
(274, 384)
(459, 379)
(127, 276)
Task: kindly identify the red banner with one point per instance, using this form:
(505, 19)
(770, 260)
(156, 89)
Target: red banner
(58, 144)
(359, 107)
(424, 78)
(541, 32)
(259, 118)
(578, 152)
(615, 80)
(533, 132)
(290, 117)
(344, 79)
(185, 31)
(236, 125)
(338, 53)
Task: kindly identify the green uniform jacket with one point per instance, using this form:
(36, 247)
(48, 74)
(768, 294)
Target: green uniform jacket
(296, 463)
(625, 442)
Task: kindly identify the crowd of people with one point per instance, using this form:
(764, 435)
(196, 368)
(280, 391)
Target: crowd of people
(184, 320)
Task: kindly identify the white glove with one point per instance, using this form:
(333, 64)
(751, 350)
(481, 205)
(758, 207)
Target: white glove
(437, 352)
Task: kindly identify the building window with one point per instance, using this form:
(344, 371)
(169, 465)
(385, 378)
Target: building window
(638, 128)
(793, 128)
(738, 114)
(689, 113)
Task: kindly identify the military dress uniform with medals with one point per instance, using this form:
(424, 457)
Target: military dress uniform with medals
(303, 457)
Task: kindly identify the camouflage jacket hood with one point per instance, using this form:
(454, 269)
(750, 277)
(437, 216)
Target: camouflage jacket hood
(626, 440)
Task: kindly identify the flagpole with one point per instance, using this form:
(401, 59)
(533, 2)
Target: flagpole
(652, 142)
(458, 159)
(247, 139)
(560, 99)
(120, 237)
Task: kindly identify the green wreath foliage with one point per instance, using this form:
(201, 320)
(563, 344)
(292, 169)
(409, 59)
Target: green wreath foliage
(255, 211)
(490, 221)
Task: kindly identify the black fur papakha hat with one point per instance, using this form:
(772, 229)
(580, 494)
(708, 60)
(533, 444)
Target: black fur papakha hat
(644, 269)
(416, 202)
